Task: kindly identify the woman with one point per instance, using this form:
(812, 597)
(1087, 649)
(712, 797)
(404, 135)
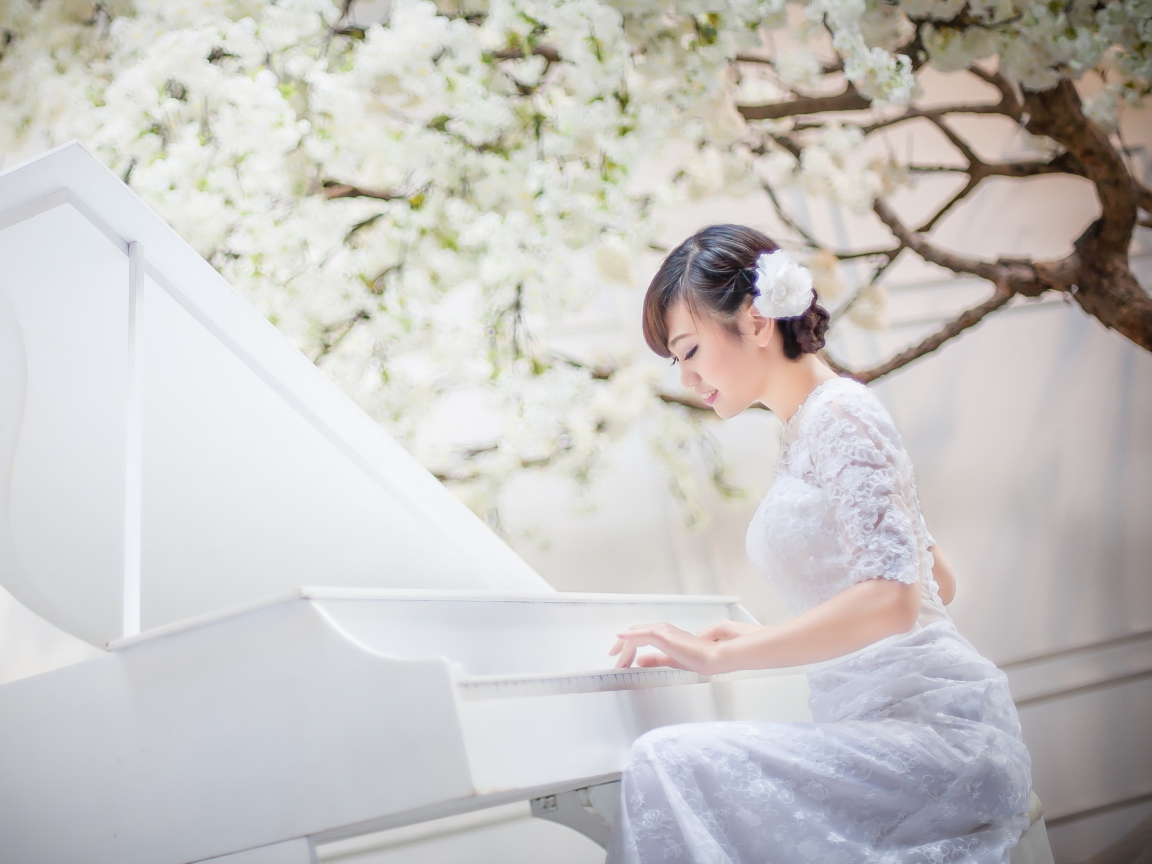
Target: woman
(914, 754)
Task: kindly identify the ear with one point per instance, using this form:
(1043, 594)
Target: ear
(763, 330)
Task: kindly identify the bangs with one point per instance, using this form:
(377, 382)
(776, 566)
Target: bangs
(666, 289)
(657, 302)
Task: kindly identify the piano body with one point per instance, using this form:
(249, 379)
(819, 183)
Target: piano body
(308, 638)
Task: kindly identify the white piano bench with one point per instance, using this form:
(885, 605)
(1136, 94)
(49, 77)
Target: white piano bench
(1033, 847)
(592, 810)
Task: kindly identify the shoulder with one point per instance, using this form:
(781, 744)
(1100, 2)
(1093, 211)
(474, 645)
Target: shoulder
(847, 399)
(846, 412)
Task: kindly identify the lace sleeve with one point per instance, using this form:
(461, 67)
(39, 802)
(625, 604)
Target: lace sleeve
(856, 456)
(927, 534)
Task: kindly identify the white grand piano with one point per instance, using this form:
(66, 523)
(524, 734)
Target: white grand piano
(308, 638)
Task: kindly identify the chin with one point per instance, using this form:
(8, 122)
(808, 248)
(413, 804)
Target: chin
(726, 411)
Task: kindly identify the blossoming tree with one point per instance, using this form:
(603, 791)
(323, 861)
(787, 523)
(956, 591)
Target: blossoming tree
(412, 190)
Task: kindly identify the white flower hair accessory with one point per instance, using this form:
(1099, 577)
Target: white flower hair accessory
(785, 287)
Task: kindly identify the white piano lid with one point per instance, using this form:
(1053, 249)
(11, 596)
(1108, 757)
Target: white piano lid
(169, 455)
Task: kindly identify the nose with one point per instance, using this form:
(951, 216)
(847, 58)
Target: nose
(688, 378)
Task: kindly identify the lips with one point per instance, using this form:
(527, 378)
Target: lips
(711, 397)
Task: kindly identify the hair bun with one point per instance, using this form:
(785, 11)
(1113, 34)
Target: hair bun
(804, 334)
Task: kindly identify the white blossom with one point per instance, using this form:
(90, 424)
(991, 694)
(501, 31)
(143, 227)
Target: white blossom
(418, 207)
(939, 10)
(799, 68)
(614, 261)
(869, 308)
(952, 49)
(826, 279)
(827, 167)
(885, 25)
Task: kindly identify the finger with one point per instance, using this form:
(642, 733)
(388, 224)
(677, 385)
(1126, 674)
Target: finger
(626, 656)
(650, 660)
(615, 649)
(633, 632)
(634, 628)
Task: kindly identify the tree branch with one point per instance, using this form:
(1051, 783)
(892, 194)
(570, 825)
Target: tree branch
(335, 189)
(957, 142)
(848, 100)
(887, 251)
(1058, 114)
(835, 366)
(922, 247)
(1106, 288)
(686, 401)
(1143, 196)
(890, 257)
(1065, 163)
(972, 183)
(1030, 278)
(552, 55)
(790, 144)
(446, 476)
(1097, 273)
(334, 334)
(1009, 101)
(825, 68)
(937, 169)
(950, 330)
(924, 114)
(787, 219)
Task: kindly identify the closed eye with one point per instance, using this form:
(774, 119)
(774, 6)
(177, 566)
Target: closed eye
(691, 353)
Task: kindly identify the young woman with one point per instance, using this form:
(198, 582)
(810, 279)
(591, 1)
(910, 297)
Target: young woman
(914, 754)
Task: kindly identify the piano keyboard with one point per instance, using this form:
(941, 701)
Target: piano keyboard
(480, 687)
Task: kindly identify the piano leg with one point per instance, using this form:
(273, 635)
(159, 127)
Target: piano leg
(590, 810)
(298, 851)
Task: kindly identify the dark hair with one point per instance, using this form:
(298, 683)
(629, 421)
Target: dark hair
(713, 271)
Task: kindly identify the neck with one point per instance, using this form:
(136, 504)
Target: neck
(792, 382)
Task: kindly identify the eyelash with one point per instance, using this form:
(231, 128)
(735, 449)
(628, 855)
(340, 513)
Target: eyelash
(687, 356)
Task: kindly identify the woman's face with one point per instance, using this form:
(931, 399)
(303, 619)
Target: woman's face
(726, 369)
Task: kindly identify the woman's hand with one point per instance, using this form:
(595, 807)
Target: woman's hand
(855, 618)
(679, 648)
(722, 631)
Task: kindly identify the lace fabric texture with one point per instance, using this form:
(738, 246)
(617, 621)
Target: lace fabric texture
(914, 753)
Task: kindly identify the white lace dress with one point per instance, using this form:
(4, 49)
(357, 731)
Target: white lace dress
(914, 754)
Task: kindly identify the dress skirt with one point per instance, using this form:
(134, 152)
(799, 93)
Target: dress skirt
(914, 755)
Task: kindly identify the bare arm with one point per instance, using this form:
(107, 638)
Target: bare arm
(855, 618)
(856, 459)
(942, 573)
